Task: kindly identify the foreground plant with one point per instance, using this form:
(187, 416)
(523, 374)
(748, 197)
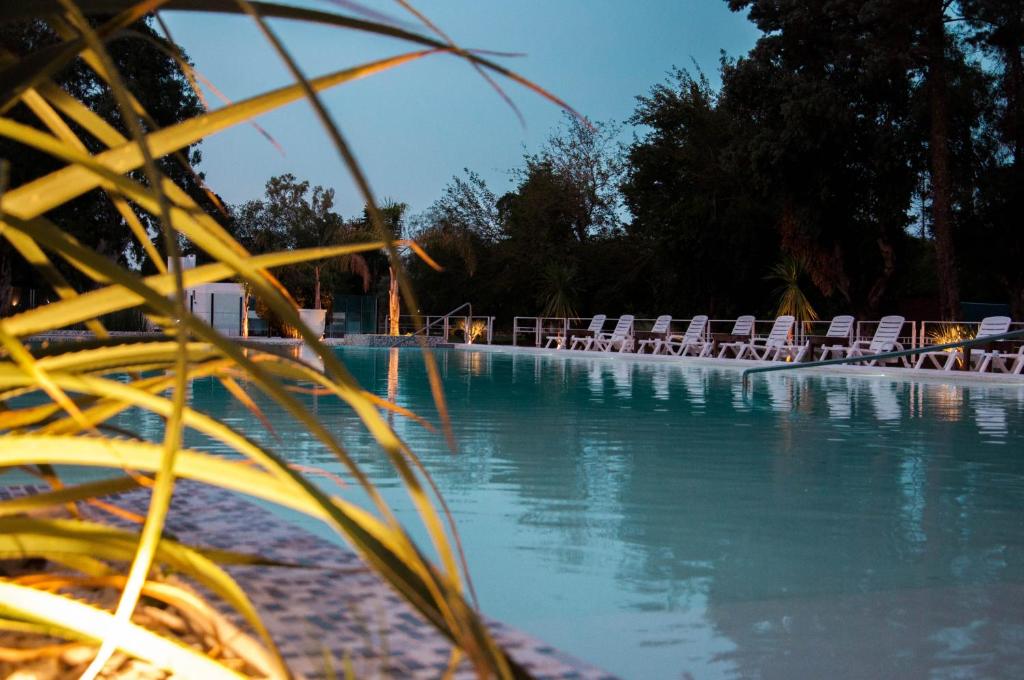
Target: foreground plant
(79, 387)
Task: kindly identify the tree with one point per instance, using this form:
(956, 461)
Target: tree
(295, 215)
(827, 99)
(393, 215)
(936, 82)
(587, 158)
(702, 229)
(155, 78)
(997, 29)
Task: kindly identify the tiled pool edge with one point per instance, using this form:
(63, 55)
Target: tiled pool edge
(344, 609)
(888, 372)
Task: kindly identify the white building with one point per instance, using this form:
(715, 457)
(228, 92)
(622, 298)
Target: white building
(219, 304)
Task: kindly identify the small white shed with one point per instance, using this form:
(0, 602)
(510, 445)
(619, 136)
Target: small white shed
(219, 304)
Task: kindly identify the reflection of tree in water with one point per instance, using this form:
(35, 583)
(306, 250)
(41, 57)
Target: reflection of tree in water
(801, 516)
(792, 552)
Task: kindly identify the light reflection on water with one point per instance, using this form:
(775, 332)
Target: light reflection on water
(655, 519)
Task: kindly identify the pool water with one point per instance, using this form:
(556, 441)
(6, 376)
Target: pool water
(654, 520)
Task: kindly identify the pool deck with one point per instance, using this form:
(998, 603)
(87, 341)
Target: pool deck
(893, 373)
(336, 605)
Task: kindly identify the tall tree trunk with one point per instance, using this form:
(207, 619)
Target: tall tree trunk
(1016, 300)
(394, 303)
(874, 299)
(941, 163)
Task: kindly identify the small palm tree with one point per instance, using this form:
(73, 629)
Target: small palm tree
(792, 300)
(558, 290)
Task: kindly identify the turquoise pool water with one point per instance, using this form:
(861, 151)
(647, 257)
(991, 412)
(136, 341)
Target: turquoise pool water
(654, 520)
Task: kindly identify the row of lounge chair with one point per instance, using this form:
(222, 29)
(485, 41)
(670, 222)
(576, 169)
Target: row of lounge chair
(782, 344)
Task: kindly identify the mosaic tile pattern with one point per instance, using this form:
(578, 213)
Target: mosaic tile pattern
(387, 341)
(343, 609)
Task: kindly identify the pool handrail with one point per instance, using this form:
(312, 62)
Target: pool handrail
(885, 355)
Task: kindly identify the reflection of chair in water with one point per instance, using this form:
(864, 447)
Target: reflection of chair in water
(739, 401)
(780, 393)
(693, 381)
(990, 419)
(839, 403)
(659, 383)
(622, 377)
(595, 377)
(885, 401)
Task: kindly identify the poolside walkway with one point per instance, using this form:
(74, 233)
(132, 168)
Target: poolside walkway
(343, 609)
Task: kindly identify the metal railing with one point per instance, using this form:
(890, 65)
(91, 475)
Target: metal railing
(543, 327)
(472, 327)
(882, 356)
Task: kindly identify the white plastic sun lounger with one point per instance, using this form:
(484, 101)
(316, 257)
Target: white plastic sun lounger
(692, 340)
(841, 329)
(659, 334)
(744, 326)
(886, 339)
(596, 324)
(947, 360)
(1007, 362)
(621, 337)
(769, 348)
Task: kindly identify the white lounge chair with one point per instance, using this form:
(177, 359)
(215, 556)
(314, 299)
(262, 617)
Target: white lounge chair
(659, 333)
(769, 348)
(1008, 362)
(744, 326)
(841, 329)
(886, 339)
(692, 340)
(596, 324)
(948, 359)
(621, 337)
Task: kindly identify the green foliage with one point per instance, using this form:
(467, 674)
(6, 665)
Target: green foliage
(293, 215)
(882, 149)
(117, 144)
(792, 300)
(156, 80)
(704, 227)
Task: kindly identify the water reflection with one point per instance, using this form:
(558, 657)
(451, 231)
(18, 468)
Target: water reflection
(662, 521)
(839, 399)
(885, 401)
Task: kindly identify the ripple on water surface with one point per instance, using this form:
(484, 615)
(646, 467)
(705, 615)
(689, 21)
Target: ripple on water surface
(657, 520)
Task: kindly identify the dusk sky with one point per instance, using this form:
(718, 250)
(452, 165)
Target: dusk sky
(414, 127)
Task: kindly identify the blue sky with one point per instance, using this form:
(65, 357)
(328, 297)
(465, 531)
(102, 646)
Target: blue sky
(414, 127)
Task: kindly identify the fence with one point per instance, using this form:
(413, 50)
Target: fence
(481, 328)
(123, 321)
(914, 335)
(351, 314)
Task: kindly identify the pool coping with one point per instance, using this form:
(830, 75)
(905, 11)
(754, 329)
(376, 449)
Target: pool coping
(331, 603)
(889, 373)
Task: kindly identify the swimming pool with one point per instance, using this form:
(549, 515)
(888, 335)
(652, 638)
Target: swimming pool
(653, 519)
